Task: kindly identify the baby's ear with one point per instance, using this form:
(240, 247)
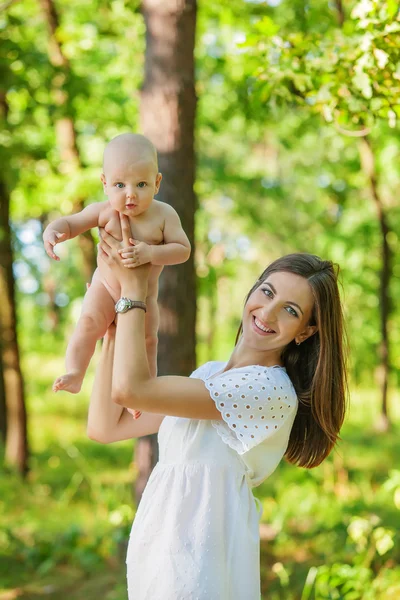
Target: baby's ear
(158, 181)
(104, 182)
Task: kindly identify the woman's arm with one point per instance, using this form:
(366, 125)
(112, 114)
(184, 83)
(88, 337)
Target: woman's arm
(108, 422)
(132, 385)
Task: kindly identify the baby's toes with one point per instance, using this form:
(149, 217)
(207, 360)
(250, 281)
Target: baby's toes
(58, 384)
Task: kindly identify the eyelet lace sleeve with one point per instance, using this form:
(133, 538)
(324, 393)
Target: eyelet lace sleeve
(255, 404)
(202, 371)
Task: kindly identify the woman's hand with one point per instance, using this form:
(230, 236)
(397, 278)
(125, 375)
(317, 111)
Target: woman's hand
(109, 249)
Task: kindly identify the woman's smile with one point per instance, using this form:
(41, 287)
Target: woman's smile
(260, 328)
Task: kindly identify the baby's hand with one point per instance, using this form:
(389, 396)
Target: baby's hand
(51, 238)
(136, 255)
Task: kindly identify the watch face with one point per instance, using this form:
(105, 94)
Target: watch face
(122, 305)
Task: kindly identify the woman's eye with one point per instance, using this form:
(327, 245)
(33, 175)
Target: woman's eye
(142, 184)
(119, 185)
(289, 309)
(269, 292)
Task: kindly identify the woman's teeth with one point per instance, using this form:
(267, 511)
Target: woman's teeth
(261, 326)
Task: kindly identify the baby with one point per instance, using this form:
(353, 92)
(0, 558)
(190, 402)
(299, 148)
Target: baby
(130, 180)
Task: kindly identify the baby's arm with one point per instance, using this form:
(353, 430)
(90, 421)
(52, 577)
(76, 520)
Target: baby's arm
(176, 247)
(69, 227)
(175, 250)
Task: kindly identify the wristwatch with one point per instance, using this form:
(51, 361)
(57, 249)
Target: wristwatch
(125, 304)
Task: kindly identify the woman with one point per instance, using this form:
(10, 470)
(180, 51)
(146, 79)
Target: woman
(224, 429)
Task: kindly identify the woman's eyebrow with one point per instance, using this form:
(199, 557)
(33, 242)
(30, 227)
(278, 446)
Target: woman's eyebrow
(287, 301)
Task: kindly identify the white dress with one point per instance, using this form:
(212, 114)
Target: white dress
(196, 531)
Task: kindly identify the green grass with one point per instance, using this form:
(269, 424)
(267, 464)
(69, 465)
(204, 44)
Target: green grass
(63, 532)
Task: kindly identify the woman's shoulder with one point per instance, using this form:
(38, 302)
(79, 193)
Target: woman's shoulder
(208, 369)
(273, 377)
(268, 380)
(270, 373)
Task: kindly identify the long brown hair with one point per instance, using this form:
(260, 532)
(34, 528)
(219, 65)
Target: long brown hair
(317, 368)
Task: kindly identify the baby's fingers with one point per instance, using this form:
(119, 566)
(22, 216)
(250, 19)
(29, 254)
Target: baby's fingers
(50, 251)
(129, 261)
(127, 251)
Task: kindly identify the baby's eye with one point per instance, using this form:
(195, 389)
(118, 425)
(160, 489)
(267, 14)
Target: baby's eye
(119, 185)
(142, 184)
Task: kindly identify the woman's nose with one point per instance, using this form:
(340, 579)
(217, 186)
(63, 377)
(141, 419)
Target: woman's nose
(269, 314)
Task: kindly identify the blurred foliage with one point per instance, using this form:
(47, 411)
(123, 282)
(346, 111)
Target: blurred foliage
(281, 84)
(275, 175)
(326, 533)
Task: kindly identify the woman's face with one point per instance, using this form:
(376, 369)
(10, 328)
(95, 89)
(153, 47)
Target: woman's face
(277, 312)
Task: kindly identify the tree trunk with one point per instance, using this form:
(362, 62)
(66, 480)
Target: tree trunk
(3, 407)
(340, 12)
(16, 448)
(65, 128)
(212, 297)
(168, 106)
(368, 165)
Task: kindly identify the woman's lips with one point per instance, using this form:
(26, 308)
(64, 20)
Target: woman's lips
(260, 331)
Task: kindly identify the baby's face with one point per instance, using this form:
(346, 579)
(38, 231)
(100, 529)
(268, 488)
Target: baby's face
(131, 185)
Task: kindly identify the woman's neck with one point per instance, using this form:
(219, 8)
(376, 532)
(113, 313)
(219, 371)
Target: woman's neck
(243, 356)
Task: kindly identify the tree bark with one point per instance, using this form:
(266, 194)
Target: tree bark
(16, 447)
(212, 297)
(369, 168)
(3, 407)
(340, 12)
(168, 106)
(65, 127)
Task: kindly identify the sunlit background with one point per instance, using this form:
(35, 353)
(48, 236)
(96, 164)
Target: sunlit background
(297, 148)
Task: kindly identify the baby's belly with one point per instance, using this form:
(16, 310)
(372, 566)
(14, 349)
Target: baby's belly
(111, 283)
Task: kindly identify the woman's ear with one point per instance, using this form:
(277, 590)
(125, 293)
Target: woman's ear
(308, 332)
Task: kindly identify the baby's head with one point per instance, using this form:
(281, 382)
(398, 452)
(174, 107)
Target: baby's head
(130, 173)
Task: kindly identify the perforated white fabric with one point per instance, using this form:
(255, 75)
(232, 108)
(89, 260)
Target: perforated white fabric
(255, 402)
(196, 530)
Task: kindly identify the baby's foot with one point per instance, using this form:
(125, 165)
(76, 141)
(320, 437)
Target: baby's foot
(70, 382)
(135, 413)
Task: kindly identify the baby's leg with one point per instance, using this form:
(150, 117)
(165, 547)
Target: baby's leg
(151, 330)
(98, 312)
